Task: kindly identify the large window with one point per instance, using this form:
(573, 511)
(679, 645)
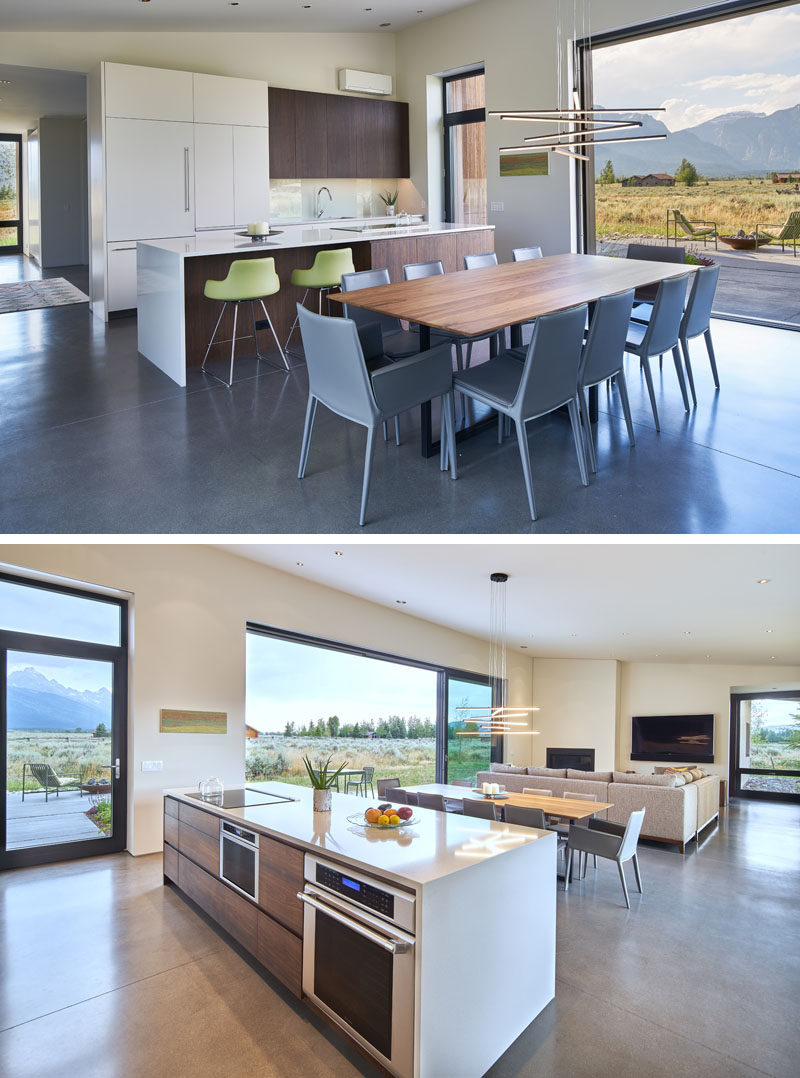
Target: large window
(316, 698)
(765, 745)
(465, 148)
(10, 194)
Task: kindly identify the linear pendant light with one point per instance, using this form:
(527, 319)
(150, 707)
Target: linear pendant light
(500, 718)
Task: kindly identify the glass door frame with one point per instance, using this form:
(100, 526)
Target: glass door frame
(497, 744)
(16, 223)
(117, 656)
(735, 771)
(449, 121)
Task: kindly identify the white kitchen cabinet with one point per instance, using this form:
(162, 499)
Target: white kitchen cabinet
(213, 183)
(221, 100)
(148, 93)
(149, 179)
(250, 174)
(121, 276)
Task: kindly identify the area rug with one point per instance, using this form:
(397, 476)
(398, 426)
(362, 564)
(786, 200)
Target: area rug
(29, 295)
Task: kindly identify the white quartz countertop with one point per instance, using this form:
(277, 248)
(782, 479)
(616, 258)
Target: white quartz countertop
(302, 235)
(440, 844)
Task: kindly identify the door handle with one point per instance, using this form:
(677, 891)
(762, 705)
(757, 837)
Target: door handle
(394, 946)
(186, 178)
(116, 768)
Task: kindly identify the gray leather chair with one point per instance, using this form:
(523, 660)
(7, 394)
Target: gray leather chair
(338, 377)
(430, 801)
(696, 319)
(396, 795)
(523, 254)
(604, 357)
(385, 786)
(526, 817)
(479, 261)
(661, 334)
(484, 810)
(412, 797)
(647, 252)
(398, 343)
(609, 840)
(547, 380)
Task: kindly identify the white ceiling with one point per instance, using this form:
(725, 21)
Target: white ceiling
(274, 15)
(634, 602)
(33, 92)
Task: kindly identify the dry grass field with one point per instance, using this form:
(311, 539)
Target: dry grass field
(76, 755)
(731, 204)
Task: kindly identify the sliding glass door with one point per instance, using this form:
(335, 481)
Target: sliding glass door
(468, 748)
(10, 194)
(765, 745)
(465, 148)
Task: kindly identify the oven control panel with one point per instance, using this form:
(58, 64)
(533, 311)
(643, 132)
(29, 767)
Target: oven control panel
(357, 890)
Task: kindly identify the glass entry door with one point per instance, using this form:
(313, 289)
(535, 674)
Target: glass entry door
(10, 194)
(765, 748)
(468, 750)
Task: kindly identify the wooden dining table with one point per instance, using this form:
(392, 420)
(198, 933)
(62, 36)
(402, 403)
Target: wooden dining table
(479, 302)
(566, 808)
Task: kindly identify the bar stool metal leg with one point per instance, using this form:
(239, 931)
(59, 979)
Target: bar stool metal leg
(274, 334)
(295, 324)
(213, 335)
(233, 341)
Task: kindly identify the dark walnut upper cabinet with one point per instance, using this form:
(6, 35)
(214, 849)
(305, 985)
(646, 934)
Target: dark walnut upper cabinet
(321, 136)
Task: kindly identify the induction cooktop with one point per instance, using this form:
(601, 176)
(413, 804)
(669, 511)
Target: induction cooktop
(244, 797)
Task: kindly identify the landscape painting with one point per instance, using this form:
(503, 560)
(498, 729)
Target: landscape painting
(193, 722)
(524, 164)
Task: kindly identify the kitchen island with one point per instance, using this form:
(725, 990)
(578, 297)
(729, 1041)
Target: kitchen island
(432, 946)
(175, 320)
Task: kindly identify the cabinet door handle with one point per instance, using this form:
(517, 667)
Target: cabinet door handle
(115, 249)
(186, 178)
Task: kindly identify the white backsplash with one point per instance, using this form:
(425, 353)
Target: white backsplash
(350, 198)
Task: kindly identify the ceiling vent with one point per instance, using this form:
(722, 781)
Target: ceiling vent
(365, 82)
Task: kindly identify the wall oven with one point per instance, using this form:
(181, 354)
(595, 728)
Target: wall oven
(238, 858)
(358, 959)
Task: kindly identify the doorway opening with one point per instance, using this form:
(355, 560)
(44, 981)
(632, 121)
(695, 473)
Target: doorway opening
(10, 194)
(464, 112)
(765, 745)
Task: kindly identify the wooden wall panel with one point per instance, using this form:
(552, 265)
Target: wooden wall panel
(200, 847)
(171, 863)
(282, 134)
(280, 877)
(171, 830)
(474, 243)
(393, 255)
(282, 953)
(199, 819)
(311, 135)
(444, 247)
(171, 807)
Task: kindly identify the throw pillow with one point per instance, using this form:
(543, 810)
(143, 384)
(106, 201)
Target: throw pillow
(507, 769)
(697, 773)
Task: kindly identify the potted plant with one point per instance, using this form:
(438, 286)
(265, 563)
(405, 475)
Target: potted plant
(389, 199)
(322, 780)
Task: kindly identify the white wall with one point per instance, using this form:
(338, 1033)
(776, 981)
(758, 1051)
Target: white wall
(578, 701)
(63, 191)
(297, 61)
(191, 605)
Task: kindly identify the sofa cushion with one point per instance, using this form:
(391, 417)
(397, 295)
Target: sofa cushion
(697, 773)
(648, 780)
(507, 769)
(589, 776)
(548, 772)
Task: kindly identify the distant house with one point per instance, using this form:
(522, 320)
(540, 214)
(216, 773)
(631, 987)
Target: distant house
(652, 179)
(250, 732)
(786, 177)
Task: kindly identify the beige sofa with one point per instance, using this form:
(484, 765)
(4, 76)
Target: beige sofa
(674, 811)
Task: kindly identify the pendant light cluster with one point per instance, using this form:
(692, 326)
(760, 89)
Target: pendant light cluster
(499, 718)
(582, 124)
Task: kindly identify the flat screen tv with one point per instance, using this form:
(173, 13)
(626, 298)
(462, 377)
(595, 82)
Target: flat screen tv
(678, 739)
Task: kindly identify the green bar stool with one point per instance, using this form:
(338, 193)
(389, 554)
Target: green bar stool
(325, 274)
(249, 280)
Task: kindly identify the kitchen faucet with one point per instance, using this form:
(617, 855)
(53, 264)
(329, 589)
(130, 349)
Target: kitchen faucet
(330, 199)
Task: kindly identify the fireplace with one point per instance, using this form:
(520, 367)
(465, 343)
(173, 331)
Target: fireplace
(579, 759)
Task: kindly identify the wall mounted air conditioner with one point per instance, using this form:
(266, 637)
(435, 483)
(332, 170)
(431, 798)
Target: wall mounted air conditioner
(364, 82)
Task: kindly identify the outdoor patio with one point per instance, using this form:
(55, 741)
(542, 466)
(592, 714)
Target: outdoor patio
(762, 284)
(36, 822)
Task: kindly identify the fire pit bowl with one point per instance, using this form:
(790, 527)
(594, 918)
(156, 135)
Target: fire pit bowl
(744, 243)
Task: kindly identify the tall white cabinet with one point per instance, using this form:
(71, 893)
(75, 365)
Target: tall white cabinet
(171, 153)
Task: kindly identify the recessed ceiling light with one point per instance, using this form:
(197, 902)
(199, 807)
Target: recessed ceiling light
(5, 82)
(687, 632)
(626, 634)
(401, 602)
(769, 630)
(339, 553)
(384, 24)
(772, 657)
(298, 563)
(573, 634)
(367, 9)
(764, 580)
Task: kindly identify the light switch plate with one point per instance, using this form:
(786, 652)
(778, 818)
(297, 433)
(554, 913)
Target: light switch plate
(496, 207)
(152, 765)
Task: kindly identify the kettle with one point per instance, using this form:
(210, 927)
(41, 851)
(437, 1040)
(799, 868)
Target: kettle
(211, 790)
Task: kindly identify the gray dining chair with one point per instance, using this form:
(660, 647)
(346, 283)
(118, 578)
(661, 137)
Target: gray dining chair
(479, 261)
(338, 377)
(430, 801)
(452, 804)
(535, 790)
(461, 782)
(527, 817)
(545, 381)
(485, 810)
(524, 254)
(660, 335)
(609, 840)
(647, 252)
(385, 785)
(604, 357)
(395, 794)
(398, 343)
(416, 271)
(696, 319)
(412, 797)
(564, 830)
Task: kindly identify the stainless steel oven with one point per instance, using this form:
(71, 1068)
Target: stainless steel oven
(358, 959)
(238, 858)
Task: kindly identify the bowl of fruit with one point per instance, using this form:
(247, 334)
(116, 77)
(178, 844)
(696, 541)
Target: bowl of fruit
(385, 817)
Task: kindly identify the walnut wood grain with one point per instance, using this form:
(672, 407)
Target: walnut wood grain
(171, 830)
(171, 807)
(474, 243)
(200, 847)
(237, 916)
(568, 808)
(393, 255)
(281, 952)
(282, 134)
(171, 863)
(280, 877)
(443, 246)
(200, 820)
(473, 302)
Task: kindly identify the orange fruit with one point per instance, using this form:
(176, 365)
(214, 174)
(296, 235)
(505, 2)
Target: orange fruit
(383, 820)
(394, 820)
(372, 815)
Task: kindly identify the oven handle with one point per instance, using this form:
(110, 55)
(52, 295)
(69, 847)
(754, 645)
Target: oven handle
(393, 945)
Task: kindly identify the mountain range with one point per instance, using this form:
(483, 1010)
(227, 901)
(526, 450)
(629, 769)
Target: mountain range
(36, 702)
(733, 144)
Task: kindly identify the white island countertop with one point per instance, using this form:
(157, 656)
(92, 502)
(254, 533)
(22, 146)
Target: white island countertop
(441, 844)
(333, 233)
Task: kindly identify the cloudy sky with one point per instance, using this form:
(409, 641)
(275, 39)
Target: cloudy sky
(750, 63)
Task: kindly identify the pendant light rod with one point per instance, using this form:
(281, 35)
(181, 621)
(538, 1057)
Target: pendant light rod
(578, 139)
(524, 114)
(583, 134)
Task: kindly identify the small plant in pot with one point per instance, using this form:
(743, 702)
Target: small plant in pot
(322, 781)
(389, 199)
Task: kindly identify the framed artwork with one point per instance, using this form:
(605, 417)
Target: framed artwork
(525, 164)
(193, 722)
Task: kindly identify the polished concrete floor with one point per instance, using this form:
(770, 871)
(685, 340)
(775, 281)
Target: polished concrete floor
(106, 973)
(94, 439)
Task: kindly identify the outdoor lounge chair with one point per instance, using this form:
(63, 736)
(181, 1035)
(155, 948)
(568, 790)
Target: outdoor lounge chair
(696, 230)
(788, 232)
(48, 780)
